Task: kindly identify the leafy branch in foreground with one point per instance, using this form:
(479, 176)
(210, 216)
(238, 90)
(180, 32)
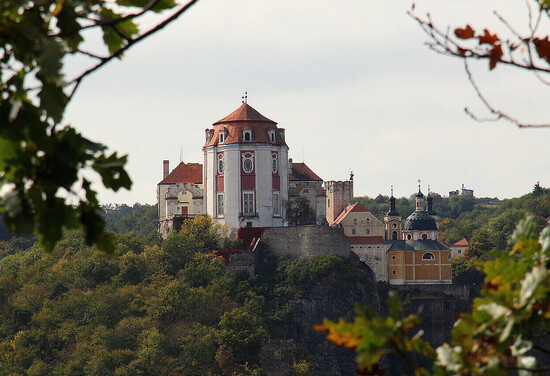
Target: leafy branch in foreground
(530, 51)
(45, 166)
(505, 331)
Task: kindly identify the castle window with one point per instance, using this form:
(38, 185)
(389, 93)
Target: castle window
(428, 256)
(274, 163)
(409, 236)
(393, 258)
(276, 207)
(353, 231)
(368, 219)
(248, 202)
(367, 231)
(328, 202)
(222, 136)
(220, 166)
(247, 135)
(394, 225)
(424, 236)
(272, 136)
(393, 272)
(355, 221)
(220, 204)
(394, 235)
(248, 165)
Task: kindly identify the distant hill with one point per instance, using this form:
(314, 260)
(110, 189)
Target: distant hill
(138, 219)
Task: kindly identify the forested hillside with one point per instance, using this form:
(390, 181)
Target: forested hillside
(155, 308)
(485, 222)
(140, 220)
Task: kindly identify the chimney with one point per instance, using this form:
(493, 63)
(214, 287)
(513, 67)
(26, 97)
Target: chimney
(165, 168)
(290, 166)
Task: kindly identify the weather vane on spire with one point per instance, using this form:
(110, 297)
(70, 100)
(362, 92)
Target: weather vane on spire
(244, 97)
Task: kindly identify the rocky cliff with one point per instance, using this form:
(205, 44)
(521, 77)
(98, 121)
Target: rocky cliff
(332, 297)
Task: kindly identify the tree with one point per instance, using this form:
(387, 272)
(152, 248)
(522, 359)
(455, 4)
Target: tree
(43, 188)
(507, 328)
(529, 51)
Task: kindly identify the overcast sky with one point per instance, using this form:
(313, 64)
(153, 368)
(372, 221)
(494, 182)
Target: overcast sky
(351, 82)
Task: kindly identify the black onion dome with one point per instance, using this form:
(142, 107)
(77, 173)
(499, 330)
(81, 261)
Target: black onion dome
(420, 221)
(419, 194)
(430, 210)
(393, 211)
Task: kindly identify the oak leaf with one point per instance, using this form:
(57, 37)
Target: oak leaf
(495, 55)
(465, 33)
(488, 38)
(543, 48)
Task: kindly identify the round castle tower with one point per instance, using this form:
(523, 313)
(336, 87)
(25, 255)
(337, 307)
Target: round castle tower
(245, 176)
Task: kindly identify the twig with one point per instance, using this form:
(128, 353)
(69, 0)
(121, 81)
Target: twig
(499, 114)
(76, 81)
(110, 22)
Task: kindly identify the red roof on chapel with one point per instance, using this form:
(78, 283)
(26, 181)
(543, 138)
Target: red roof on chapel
(301, 172)
(244, 113)
(366, 240)
(461, 243)
(357, 207)
(184, 173)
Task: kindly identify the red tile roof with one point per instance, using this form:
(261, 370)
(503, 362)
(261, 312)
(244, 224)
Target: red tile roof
(357, 207)
(245, 117)
(366, 239)
(461, 243)
(184, 173)
(301, 172)
(244, 113)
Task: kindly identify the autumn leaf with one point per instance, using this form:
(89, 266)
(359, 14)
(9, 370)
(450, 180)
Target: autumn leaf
(543, 48)
(495, 56)
(487, 38)
(465, 33)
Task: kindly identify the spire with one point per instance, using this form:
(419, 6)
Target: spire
(393, 211)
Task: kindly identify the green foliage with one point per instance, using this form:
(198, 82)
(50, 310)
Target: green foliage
(140, 220)
(42, 185)
(497, 337)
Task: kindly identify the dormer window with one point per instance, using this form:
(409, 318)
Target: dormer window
(247, 135)
(272, 136)
(222, 136)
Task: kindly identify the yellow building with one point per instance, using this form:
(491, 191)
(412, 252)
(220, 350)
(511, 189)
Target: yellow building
(419, 257)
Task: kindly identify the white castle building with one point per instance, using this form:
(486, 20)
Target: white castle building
(245, 170)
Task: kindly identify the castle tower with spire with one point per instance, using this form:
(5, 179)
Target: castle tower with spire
(392, 220)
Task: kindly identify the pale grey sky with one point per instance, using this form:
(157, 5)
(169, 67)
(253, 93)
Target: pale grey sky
(351, 82)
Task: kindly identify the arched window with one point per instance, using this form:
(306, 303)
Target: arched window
(394, 235)
(355, 221)
(428, 256)
(424, 236)
(247, 135)
(409, 236)
(394, 225)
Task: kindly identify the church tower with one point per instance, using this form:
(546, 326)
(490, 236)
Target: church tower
(246, 170)
(392, 220)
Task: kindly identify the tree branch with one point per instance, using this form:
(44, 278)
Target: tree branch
(77, 80)
(110, 22)
(499, 114)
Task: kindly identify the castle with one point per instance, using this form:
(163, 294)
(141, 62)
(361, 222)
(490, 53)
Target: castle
(247, 180)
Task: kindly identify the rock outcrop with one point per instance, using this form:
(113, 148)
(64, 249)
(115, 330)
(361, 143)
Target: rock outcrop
(332, 297)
